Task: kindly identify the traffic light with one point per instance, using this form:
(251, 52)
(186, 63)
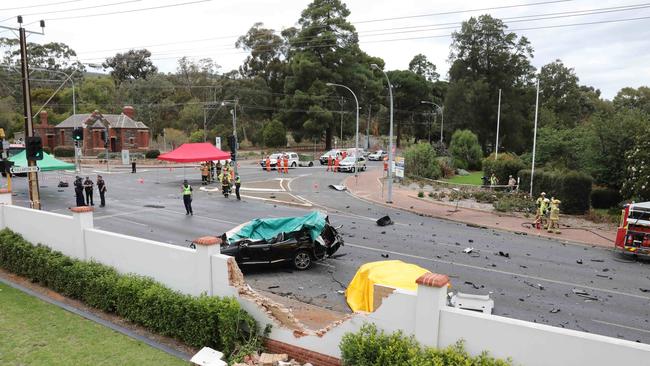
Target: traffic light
(5, 166)
(233, 156)
(78, 134)
(104, 136)
(232, 142)
(34, 148)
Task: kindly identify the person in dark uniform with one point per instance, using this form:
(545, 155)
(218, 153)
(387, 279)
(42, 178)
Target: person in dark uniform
(132, 166)
(187, 197)
(237, 186)
(79, 191)
(88, 186)
(101, 187)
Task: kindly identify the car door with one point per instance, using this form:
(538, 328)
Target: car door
(252, 253)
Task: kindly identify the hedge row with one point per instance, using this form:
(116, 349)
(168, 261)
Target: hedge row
(605, 198)
(370, 347)
(506, 165)
(571, 187)
(64, 151)
(152, 154)
(219, 323)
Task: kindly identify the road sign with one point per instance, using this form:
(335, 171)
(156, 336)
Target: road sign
(217, 142)
(25, 169)
(399, 166)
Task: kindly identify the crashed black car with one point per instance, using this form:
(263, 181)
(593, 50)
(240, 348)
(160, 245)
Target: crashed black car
(300, 240)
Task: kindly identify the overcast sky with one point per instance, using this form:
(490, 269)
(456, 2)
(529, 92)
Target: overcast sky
(608, 56)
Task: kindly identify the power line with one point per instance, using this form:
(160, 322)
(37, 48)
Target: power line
(536, 17)
(462, 11)
(130, 11)
(41, 5)
(77, 9)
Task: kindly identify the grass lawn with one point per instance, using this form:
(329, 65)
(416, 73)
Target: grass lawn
(473, 178)
(33, 332)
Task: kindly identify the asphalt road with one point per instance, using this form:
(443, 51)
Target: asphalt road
(535, 282)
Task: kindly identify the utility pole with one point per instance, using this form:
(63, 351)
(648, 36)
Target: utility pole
(368, 128)
(341, 103)
(496, 146)
(532, 168)
(34, 196)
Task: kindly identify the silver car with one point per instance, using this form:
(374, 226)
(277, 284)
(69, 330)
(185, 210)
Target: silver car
(347, 164)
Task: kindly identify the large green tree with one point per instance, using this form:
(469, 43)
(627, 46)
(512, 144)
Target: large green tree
(324, 49)
(484, 58)
(131, 65)
(421, 65)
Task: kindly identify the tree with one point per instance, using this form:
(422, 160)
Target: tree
(409, 89)
(266, 59)
(420, 65)
(558, 85)
(196, 136)
(275, 134)
(175, 137)
(636, 179)
(485, 58)
(466, 150)
(53, 56)
(324, 49)
(132, 65)
(630, 98)
(420, 162)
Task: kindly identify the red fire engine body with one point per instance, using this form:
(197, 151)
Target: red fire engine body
(633, 234)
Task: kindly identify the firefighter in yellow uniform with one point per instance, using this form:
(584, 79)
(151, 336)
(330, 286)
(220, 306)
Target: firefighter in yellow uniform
(541, 209)
(554, 222)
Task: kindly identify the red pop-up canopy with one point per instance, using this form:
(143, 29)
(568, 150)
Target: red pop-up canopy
(195, 152)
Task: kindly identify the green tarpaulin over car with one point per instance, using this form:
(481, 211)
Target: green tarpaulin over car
(48, 163)
(267, 229)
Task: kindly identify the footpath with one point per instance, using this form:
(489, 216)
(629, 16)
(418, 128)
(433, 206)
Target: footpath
(369, 186)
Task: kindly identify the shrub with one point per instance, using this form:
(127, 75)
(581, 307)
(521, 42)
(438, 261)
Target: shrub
(48, 150)
(370, 347)
(420, 162)
(216, 322)
(465, 149)
(571, 187)
(515, 202)
(506, 165)
(152, 154)
(274, 135)
(421, 194)
(64, 151)
(605, 198)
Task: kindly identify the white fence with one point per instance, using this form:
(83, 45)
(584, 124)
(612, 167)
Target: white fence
(423, 314)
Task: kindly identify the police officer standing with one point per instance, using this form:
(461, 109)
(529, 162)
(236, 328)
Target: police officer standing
(101, 187)
(79, 191)
(187, 197)
(88, 186)
(237, 186)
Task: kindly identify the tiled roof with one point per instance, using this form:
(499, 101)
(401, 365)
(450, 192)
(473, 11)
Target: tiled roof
(114, 121)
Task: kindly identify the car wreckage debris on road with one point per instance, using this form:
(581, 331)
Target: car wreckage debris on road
(299, 240)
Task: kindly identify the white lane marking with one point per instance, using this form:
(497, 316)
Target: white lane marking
(279, 201)
(536, 278)
(620, 326)
(262, 189)
(122, 214)
(201, 217)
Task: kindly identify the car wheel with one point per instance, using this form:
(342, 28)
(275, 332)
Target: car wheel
(302, 260)
(311, 163)
(293, 165)
(321, 163)
(353, 170)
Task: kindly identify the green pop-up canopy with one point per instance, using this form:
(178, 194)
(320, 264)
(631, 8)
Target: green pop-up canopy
(48, 163)
(267, 229)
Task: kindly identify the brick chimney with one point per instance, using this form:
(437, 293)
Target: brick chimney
(43, 117)
(129, 111)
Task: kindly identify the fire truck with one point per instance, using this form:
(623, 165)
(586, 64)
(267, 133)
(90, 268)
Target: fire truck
(633, 234)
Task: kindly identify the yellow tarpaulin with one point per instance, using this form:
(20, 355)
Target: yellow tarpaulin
(398, 274)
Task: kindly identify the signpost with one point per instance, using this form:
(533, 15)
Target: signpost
(217, 142)
(399, 166)
(24, 169)
(125, 157)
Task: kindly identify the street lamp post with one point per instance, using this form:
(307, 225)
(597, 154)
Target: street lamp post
(390, 137)
(442, 117)
(356, 140)
(234, 102)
